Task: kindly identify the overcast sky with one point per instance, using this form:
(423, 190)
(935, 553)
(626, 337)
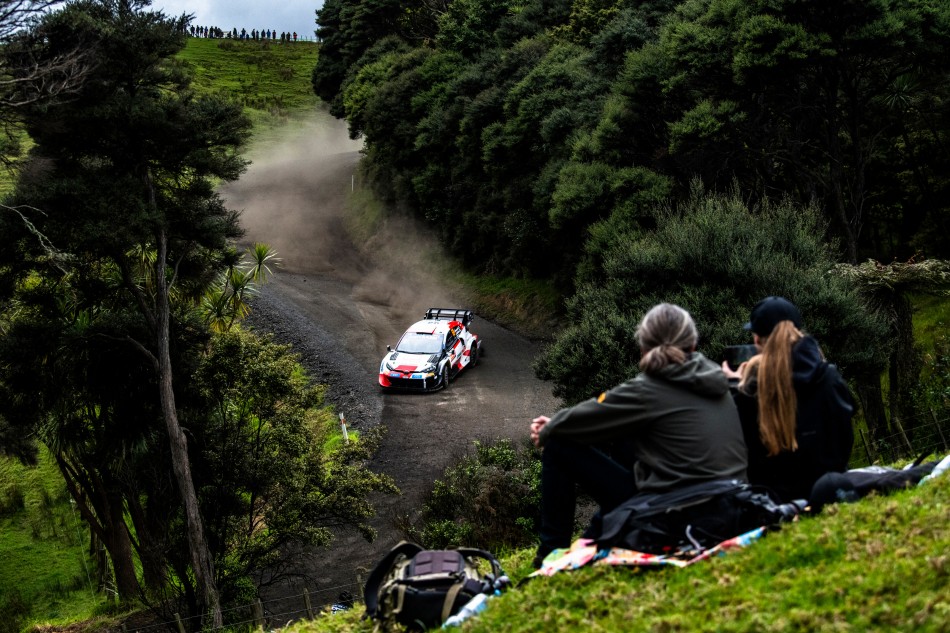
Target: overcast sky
(277, 15)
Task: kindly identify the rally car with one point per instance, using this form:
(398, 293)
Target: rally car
(431, 352)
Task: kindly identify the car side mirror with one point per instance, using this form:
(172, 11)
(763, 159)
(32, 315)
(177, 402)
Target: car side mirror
(389, 348)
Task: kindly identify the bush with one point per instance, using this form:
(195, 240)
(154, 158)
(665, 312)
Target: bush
(13, 612)
(12, 501)
(716, 257)
(490, 499)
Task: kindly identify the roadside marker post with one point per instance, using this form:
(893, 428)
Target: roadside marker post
(346, 436)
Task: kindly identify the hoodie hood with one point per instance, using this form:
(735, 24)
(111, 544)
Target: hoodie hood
(697, 374)
(808, 364)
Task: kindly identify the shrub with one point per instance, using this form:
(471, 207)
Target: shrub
(12, 501)
(13, 612)
(715, 256)
(489, 499)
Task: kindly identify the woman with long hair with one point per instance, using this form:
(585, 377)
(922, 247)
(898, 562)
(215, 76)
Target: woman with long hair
(676, 418)
(794, 406)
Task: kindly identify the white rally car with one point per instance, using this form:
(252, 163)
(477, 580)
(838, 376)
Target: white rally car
(431, 352)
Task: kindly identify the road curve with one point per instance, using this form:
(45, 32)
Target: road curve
(340, 304)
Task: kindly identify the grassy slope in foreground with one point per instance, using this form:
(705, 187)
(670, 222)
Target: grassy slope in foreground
(882, 564)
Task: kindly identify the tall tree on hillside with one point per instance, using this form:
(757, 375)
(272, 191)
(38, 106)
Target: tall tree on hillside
(346, 30)
(128, 168)
(798, 98)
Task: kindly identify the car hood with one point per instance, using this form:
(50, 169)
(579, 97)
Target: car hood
(401, 361)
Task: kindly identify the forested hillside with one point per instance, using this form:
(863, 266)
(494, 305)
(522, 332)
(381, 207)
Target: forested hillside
(193, 452)
(706, 152)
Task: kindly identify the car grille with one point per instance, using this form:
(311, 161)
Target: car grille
(419, 384)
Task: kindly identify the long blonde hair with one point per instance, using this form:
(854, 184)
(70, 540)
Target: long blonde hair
(776, 392)
(667, 334)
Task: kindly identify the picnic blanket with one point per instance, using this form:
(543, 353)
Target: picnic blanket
(585, 552)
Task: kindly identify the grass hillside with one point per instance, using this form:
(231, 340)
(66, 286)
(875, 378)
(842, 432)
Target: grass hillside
(45, 570)
(271, 80)
(882, 564)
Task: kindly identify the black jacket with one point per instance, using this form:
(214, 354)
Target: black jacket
(823, 427)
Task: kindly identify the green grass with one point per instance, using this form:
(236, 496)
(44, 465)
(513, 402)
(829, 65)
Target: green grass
(931, 317)
(45, 571)
(271, 80)
(882, 564)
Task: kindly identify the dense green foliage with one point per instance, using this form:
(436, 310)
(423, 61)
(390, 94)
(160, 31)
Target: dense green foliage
(272, 474)
(714, 256)
(483, 116)
(490, 497)
(115, 235)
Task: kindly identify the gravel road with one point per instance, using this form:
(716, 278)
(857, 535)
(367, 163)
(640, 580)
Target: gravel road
(340, 304)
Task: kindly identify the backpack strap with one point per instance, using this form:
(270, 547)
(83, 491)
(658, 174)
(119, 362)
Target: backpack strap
(471, 552)
(383, 567)
(450, 597)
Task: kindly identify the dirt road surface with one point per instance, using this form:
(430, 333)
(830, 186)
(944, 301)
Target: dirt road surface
(340, 304)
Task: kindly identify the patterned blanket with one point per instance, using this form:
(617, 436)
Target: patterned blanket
(585, 552)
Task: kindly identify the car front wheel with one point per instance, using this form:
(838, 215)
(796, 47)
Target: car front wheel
(445, 376)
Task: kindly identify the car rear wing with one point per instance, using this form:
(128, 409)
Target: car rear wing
(465, 316)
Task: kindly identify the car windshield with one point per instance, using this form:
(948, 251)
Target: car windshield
(419, 343)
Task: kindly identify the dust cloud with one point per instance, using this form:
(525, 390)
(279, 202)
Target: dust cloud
(293, 197)
(293, 190)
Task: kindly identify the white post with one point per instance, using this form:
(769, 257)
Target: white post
(346, 436)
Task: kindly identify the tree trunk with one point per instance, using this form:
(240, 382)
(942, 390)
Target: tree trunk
(106, 521)
(872, 403)
(149, 551)
(202, 564)
(905, 363)
(120, 550)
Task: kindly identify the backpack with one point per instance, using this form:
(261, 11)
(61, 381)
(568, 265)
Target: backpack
(858, 483)
(422, 588)
(692, 518)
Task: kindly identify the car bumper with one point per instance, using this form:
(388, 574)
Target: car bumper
(410, 382)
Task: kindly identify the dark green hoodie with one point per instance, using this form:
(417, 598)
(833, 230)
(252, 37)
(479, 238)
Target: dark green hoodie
(681, 423)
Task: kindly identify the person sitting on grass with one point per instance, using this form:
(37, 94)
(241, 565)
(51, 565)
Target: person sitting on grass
(676, 419)
(794, 406)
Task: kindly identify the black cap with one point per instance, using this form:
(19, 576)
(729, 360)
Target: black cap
(770, 312)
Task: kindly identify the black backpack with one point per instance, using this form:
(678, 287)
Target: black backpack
(690, 519)
(855, 484)
(421, 588)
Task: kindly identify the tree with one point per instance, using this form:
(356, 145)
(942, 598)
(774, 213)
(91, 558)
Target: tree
(273, 471)
(889, 287)
(25, 80)
(792, 98)
(346, 30)
(129, 167)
